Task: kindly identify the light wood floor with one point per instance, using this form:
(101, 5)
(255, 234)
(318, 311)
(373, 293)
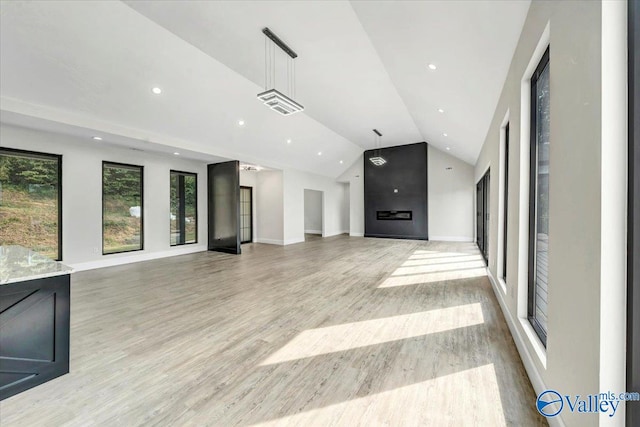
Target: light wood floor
(339, 331)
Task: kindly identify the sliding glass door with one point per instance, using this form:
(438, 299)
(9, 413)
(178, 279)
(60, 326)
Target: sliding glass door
(246, 214)
(482, 215)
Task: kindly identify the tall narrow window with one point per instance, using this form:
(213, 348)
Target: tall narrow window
(505, 213)
(183, 219)
(31, 201)
(122, 208)
(539, 198)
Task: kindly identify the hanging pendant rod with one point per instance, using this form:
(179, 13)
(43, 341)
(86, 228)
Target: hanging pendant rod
(377, 132)
(282, 45)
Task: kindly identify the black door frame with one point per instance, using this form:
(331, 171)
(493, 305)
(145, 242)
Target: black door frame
(250, 214)
(633, 219)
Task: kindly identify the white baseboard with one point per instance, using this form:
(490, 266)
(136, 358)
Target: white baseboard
(525, 355)
(356, 234)
(120, 259)
(270, 241)
(451, 238)
(294, 241)
(313, 231)
(334, 233)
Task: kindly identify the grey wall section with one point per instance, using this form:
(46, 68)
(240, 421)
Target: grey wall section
(223, 190)
(633, 244)
(405, 170)
(312, 211)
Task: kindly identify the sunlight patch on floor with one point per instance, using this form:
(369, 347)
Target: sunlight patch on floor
(466, 398)
(420, 279)
(420, 269)
(443, 260)
(330, 339)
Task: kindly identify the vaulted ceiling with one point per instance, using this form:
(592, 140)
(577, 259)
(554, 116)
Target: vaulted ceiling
(87, 68)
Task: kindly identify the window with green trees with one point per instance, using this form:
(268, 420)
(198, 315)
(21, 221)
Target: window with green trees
(31, 201)
(122, 208)
(183, 220)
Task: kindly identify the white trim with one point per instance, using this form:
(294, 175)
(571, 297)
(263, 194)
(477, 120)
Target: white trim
(269, 241)
(356, 234)
(294, 241)
(465, 239)
(313, 232)
(334, 233)
(526, 357)
(111, 260)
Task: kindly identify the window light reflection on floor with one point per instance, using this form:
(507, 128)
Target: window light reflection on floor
(314, 342)
(466, 397)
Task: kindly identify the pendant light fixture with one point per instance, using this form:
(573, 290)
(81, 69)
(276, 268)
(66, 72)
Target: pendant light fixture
(377, 159)
(272, 97)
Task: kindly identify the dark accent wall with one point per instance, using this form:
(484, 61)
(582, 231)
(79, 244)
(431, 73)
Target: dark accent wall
(633, 219)
(386, 212)
(223, 201)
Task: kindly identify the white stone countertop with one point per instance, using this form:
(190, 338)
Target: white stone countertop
(18, 264)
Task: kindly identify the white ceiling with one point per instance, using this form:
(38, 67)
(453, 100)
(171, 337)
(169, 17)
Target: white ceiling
(90, 67)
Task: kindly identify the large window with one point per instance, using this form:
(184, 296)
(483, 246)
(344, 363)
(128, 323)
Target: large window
(505, 208)
(183, 219)
(31, 201)
(539, 198)
(122, 208)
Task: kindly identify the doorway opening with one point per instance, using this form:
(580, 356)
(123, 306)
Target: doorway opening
(313, 218)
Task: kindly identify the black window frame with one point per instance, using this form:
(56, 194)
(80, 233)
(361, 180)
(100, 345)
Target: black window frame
(182, 204)
(127, 165)
(533, 168)
(505, 208)
(633, 214)
(47, 156)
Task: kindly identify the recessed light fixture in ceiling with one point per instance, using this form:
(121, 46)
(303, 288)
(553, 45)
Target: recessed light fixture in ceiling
(440, 110)
(156, 90)
(97, 138)
(448, 148)
(432, 66)
(240, 122)
(319, 153)
(444, 134)
(341, 162)
(273, 98)
(288, 141)
(176, 154)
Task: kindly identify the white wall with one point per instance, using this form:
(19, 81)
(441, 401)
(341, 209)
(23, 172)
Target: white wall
(82, 196)
(354, 178)
(451, 194)
(295, 182)
(270, 207)
(312, 211)
(585, 311)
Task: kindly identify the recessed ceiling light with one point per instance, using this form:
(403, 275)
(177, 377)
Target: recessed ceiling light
(288, 141)
(176, 154)
(440, 110)
(156, 90)
(97, 138)
(240, 122)
(319, 153)
(448, 148)
(341, 162)
(444, 134)
(432, 67)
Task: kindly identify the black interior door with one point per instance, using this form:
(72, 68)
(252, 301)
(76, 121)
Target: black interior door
(223, 191)
(246, 214)
(485, 194)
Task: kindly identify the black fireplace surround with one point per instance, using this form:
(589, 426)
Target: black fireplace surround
(395, 192)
